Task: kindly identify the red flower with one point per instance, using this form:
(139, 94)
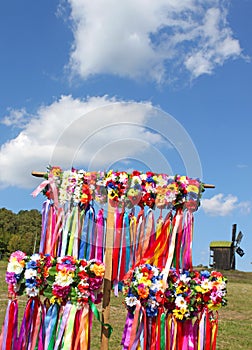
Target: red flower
(149, 174)
(160, 297)
(82, 274)
(83, 263)
(206, 296)
(136, 173)
(191, 205)
(216, 274)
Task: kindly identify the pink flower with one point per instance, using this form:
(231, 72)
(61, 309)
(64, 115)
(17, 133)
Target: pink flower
(18, 255)
(60, 292)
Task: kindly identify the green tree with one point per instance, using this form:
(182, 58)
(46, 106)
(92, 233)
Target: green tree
(21, 242)
(29, 227)
(7, 224)
(3, 248)
(20, 231)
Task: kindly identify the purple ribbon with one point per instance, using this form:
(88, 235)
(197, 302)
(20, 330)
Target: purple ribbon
(127, 331)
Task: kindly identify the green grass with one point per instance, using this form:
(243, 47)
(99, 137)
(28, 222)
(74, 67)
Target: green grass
(235, 320)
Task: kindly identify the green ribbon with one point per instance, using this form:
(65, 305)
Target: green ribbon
(162, 331)
(97, 316)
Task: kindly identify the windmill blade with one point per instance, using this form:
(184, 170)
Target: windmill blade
(239, 237)
(240, 251)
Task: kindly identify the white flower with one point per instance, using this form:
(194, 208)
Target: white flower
(15, 266)
(184, 278)
(136, 180)
(221, 285)
(131, 301)
(29, 273)
(138, 274)
(32, 292)
(180, 302)
(35, 257)
(170, 197)
(206, 284)
(63, 279)
(157, 285)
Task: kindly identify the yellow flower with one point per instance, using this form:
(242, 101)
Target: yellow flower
(172, 187)
(179, 313)
(192, 188)
(54, 300)
(199, 289)
(161, 190)
(181, 289)
(214, 307)
(112, 194)
(145, 281)
(98, 270)
(56, 171)
(183, 179)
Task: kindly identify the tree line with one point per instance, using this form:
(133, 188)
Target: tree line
(19, 231)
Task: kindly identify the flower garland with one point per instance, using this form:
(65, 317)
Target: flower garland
(126, 189)
(36, 273)
(143, 284)
(77, 280)
(176, 315)
(72, 287)
(60, 279)
(187, 294)
(15, 272)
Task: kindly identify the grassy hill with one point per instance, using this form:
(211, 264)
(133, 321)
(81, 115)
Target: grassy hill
(235, 320)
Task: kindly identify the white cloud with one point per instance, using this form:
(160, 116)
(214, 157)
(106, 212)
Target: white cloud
(81, 132)
(15, 118)
(220, 205)
(151, 39)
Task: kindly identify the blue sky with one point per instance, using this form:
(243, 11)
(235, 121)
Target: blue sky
(73, 73)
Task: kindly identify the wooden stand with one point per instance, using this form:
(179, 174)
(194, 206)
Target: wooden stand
(107, 287)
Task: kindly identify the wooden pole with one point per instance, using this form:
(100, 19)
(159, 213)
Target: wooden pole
(107, 286)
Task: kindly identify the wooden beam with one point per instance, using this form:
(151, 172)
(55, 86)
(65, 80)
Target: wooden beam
(42, 174)
(38, 173)
(208, 186)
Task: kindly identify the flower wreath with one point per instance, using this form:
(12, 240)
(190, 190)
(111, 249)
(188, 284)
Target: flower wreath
(62, 279)
(125, 189)
(186, 295)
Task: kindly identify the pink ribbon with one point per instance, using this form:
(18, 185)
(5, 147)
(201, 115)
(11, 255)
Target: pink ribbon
(52, 186)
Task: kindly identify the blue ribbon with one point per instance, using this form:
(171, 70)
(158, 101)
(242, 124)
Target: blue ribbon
(84, 251)
(127, 240)
(90, 232)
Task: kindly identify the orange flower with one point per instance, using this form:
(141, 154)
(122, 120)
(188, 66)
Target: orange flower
(98, 270)
(142, 291)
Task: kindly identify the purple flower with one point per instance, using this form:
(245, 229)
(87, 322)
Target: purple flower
(94, 283)
(10, 277)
